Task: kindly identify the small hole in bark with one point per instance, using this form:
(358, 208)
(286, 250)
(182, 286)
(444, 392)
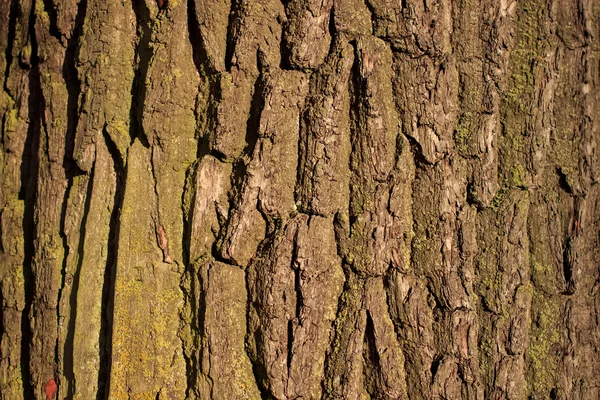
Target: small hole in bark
(563, 183)
(567, 267)
(434, 367)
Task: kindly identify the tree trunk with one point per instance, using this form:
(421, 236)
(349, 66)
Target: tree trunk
(300, 199)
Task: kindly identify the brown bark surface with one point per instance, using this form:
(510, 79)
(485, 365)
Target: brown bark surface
(300, 199)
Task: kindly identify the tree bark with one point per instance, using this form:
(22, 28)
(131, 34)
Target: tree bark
(300, 199)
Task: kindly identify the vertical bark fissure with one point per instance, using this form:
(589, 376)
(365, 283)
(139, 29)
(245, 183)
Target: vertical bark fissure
(369, 6)
(70, 336)
(256, 106)
(28, 193)
(108, 283)
(143, 56)
(69, 74)
(49, 7)
(297, 268)
(188, 281)
(370, 358)
(161, 240)
(191, 280)
(258, 371)
(12, 22)
(204, 284)
(235, 16)
(297, 271)
(206, 73)
(388, 300)
(63, 272)
(72, 82)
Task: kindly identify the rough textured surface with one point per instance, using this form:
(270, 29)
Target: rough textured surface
(300, 199)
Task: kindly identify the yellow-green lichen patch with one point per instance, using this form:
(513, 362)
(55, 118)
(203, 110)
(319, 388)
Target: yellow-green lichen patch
(525, 56)
(464, 132)
(519, 96)
(542, 355)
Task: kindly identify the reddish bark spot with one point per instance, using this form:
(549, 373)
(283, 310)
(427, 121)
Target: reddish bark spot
(163, 243)
(50, 388)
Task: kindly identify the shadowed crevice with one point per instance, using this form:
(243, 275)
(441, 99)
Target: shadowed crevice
(371, 359)
(12, 32)
(284, 53)
(334, 36)
(108, 287)
(191, 279)
(188, 199)
(143, 57)
(239, 174)
(256, 106)
(190, 285)
(69, 72)
(206, 73)
(258, 369)
(233, 26)
(297, 279)
(71, 169)
(567, 265)
(435, 365)
(28, 193)
(200, 317)
(389, 298)
(50, 9)
(290, 344)
(329, 363)
(357, 89)
(240, 167)
(295, 267)
(70, 336)
(191, 282)
(373, 13)
(563, 181)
